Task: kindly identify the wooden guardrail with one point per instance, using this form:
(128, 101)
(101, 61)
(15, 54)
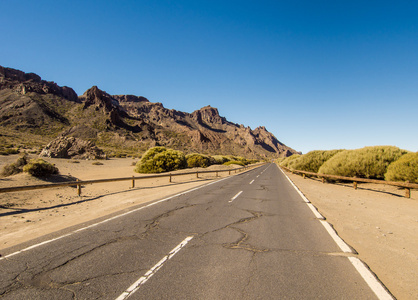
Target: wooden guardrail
(408, 186)
(80, 183)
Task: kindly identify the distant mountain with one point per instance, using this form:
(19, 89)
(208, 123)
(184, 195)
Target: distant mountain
(34, 111)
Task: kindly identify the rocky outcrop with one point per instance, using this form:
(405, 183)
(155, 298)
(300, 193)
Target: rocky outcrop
(24, 83)
(70, 147)
(31, 105)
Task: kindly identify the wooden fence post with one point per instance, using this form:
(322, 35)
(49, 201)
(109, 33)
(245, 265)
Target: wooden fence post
(355, 185)
(133, 181)
(407, 193)
(323, 179)
(170, 178)
(78, 188)
(197, 174)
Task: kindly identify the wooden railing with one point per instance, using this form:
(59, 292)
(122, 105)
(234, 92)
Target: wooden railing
(408, 186)
(80, 183)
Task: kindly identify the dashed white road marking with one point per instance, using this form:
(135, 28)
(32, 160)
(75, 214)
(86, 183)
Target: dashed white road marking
(235, 197)
(107, 220)
(137, 284)
(252, 181)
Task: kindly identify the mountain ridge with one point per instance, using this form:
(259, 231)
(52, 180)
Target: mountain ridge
(42, 110)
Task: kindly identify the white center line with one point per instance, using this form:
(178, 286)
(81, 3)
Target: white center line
(134, 287)
(252, 181)
(235, 197)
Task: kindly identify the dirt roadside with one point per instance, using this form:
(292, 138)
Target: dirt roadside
(378, 222)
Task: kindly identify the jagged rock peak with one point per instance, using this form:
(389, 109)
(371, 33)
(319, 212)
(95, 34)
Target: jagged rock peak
(130, 98)
(95, 96)
(208, 114)
(23, 83)
(17, 75)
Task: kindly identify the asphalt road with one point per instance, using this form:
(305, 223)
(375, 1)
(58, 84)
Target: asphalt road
(250, 236)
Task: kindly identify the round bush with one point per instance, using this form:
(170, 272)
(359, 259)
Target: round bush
(368, 162)
(313, 160)
(404, 169)
(287, 162)
(196, 160)
(16, 167)
(40, 168)
(234, 162)
(161, 159)
(220, 159)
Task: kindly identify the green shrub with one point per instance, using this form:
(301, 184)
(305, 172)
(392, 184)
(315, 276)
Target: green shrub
(40, 168)
(368, 162)
(161, 159)
(287, 162)
(404, 169)
(220, 159)
(16, 167)
(196, 160)
(238, 158)
(7, 151)
(234, 162)
(313, 160)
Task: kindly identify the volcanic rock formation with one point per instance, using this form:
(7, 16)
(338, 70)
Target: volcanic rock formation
(37, 110)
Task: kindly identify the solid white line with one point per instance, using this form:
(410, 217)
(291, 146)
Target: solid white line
(315, 211)
(343, 246)
(367, 275)
(137, 284)
(371, 280)
(235, 197)
(110, 219)
(252, 181)
(296, 188)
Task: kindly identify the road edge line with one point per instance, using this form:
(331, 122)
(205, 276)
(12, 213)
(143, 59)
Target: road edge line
(370, 278)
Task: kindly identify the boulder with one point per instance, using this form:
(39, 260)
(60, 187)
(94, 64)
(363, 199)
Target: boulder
(71, 147)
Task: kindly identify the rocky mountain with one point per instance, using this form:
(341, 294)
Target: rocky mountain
(34, 111)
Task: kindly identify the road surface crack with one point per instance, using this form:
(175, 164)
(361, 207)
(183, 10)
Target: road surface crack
(154, 223)
(241, 242)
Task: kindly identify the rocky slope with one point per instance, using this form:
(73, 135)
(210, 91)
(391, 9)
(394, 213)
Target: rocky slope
(34, 111)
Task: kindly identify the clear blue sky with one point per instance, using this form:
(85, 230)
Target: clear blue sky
(318, 74)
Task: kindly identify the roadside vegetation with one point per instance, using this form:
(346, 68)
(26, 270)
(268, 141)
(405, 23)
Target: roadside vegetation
(162, 159)
(377, 162)
(312, 161)
(36, 167)
(40, 168)
(404, 169)
(16, 167)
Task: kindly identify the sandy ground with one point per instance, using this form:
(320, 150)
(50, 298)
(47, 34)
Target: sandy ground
(378, 222)
(375, 220)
